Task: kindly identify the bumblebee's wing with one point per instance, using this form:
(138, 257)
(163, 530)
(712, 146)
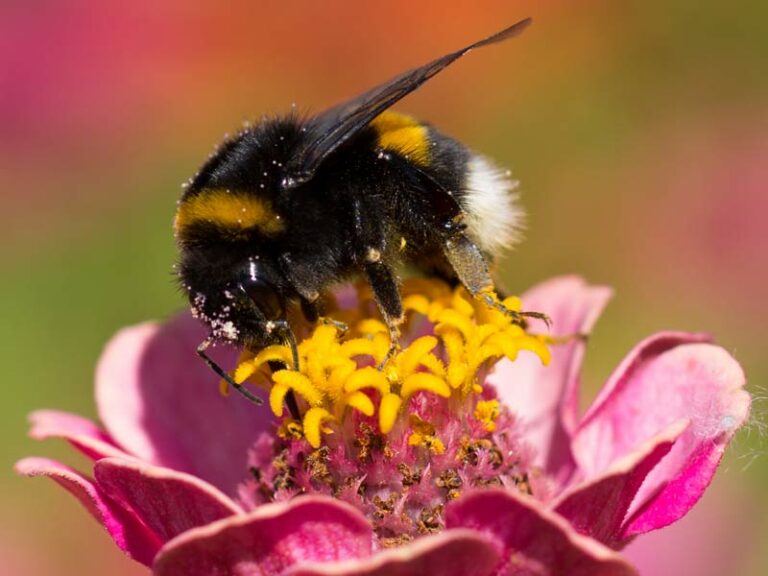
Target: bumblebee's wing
(335, 126)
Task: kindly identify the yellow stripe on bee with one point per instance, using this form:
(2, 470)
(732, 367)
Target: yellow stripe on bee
(404, 135)
(229, 209)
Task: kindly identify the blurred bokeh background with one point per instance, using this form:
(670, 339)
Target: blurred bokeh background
(639, 131)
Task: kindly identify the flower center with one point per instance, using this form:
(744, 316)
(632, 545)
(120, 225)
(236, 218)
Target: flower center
(401, 441)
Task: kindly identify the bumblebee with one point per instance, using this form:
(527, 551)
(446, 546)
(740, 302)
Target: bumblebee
(288, 208)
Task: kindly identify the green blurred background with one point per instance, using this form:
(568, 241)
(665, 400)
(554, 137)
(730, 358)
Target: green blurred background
(639, 131)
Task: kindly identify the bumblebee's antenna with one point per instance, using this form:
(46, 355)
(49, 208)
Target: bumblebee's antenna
(222, 374)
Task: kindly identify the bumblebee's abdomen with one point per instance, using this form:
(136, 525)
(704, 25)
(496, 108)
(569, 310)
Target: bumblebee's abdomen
(484, 191)
(494, 216)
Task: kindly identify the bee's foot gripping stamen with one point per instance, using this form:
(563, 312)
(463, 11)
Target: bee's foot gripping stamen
(290, 338)
(539, 316)
(342, 327)
(394, 341)
(517, 316)
(394, 347)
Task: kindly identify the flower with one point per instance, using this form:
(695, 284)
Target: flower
(431, 465)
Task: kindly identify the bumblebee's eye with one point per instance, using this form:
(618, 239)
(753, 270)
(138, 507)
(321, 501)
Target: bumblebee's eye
(265, 297)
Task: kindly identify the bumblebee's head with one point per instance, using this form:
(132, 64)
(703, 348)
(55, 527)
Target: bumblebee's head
(241, 297)
(228, 228)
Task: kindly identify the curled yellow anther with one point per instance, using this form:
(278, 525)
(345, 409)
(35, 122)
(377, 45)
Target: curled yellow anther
(538, 347)
(371, 326)
(410, 358)
(424, 381)
(289, 380)
(361, 402)
(452, 318)
(452, 340)
(416, 302)
(340, 374)
(433, 364)
(358, 347)
(313, 425)
(367, 377)
(461, 305)
(388, 411)
(457, 374)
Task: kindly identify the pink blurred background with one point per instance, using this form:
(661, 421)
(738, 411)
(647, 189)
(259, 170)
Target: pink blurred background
(639, 132)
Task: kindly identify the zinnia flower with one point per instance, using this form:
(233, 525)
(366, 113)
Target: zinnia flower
(465, 455)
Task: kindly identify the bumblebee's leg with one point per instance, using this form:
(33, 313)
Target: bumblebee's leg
(470, 266)
(310, 311)
(312, 314)
(222, 374)
(302, 279)
(371, 244)
(387, 295)
(282, 328)
(463, 255)
(342, 327)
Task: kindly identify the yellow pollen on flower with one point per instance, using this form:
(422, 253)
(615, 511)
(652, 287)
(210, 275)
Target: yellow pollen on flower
(290, 429)
(424, 435)
(338, 374)
(487, 411)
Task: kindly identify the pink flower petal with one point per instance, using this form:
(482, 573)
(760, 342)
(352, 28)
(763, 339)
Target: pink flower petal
(161, 403)
(126, 530)
(598, 508)
(667, 378)
(80, 432)
(168, 502)
(533, 540)
(662, 500)
(269, 540)
(724, 530)
(452, 553)
(547, 397)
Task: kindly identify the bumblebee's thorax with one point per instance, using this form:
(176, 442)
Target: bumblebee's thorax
(239, 194)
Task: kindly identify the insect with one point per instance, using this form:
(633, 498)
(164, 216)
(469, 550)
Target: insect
(289, 207)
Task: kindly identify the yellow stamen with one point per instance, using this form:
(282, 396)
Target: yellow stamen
(371, 326)
(417, 303)
(388, 411)
(367, 377)
(423, 381)
(410, 358)
(339, 374)
(297, 382)
(360, 401)
(313, 425)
